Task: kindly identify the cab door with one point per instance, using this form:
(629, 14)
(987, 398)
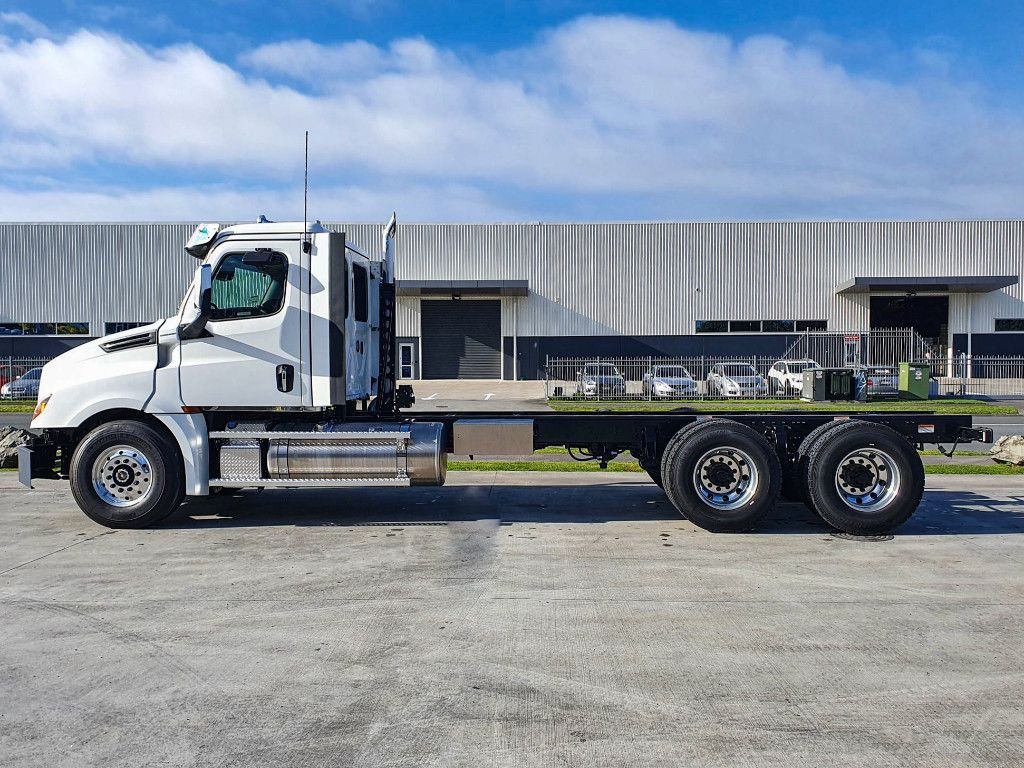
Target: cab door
(357, 363)
(251, 351)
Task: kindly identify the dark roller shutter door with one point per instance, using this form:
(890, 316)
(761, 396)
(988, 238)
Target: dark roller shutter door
(461, 339)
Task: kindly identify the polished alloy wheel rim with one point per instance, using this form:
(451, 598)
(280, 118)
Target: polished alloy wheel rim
(867, 479)
(725, 478)
(122, 476)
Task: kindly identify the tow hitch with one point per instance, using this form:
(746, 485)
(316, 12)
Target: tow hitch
(968, 435)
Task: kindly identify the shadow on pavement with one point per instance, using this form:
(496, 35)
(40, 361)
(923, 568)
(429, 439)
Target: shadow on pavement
(949, 513)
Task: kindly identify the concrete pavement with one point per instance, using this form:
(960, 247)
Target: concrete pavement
(530, 619)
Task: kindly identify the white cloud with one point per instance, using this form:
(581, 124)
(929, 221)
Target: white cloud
(24, 22)
(451, 202)
(603, 109)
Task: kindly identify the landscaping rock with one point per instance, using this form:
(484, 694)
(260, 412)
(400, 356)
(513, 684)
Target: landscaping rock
(10, 439)
(1009, 449)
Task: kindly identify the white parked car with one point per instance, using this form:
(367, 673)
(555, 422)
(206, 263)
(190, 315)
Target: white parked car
(735, 380)
(668, 381)
(786, 378)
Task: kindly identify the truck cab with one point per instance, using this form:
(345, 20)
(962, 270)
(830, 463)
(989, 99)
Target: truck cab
(281, 323)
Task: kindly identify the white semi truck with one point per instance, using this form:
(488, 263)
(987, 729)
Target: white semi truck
(278, 371)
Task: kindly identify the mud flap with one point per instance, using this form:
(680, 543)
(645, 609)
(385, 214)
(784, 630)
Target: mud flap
(25, 465)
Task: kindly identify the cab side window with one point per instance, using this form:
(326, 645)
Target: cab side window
(361, 292)
(249, 284)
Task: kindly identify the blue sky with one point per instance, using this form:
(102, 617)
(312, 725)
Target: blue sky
(550, 110)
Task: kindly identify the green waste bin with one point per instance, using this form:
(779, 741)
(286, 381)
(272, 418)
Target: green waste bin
(914, 381)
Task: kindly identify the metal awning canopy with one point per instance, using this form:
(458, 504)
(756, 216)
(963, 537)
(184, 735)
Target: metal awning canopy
(958, 284)
(463, 287)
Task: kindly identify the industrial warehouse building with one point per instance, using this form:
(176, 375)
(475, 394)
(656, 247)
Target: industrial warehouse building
(494, 301)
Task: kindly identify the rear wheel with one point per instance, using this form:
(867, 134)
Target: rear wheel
(126, 474)
(794, 485)
(723, 476)
(864, 478)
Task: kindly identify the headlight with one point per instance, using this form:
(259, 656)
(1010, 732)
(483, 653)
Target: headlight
(661, 386)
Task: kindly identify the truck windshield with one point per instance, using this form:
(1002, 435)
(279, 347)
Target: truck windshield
(801, 366)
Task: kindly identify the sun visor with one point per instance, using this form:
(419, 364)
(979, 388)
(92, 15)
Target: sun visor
(199, 244)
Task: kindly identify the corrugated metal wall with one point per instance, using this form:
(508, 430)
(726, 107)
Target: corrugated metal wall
(585, 279)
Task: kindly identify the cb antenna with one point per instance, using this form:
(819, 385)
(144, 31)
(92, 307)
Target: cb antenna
(306, 245)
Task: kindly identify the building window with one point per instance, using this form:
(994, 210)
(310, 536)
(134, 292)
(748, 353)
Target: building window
(744, 326)
(109, 328)
(760, 326)
(712, 326)
(1013, 324)
(44, 329)
(811, 325)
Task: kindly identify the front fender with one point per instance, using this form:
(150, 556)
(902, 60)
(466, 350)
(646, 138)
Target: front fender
(193, 439)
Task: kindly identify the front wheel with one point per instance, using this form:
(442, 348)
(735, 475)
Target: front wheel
(126, 474)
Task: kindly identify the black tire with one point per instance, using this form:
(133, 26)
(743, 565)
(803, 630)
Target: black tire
(883, 468)
(795, 479)
(675, 440)
(692, 444)
(159, 470)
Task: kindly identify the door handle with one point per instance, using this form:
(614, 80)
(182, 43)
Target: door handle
(285, 378)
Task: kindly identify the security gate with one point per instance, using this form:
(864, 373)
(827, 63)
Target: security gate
(461, 339)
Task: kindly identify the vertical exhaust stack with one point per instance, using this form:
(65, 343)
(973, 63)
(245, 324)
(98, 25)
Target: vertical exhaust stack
(386, 402)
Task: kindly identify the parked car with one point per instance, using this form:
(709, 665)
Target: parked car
(735, 380)
(8, 374)
(668, 381)
(879, 381)
(24, 387)
(600, 380)
(786, 377)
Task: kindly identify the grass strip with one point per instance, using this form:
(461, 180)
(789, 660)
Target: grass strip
(972, 469)
(17, 406)
(632, 466)
(975, 407)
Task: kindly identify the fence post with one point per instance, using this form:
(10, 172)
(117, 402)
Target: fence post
(704, 378)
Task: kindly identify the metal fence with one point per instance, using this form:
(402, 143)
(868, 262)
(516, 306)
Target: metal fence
(708, 377)
(662, 378)
(13, 369)
(881, 346)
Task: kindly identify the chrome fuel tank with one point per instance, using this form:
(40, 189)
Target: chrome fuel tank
(341, 450)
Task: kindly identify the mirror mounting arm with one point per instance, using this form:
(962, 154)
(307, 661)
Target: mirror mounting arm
(197, 327)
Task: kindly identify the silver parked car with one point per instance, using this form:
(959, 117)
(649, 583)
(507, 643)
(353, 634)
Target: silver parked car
(879, 381)
(668, 381)
(25, 387)
(735, 380)
(600, 380)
